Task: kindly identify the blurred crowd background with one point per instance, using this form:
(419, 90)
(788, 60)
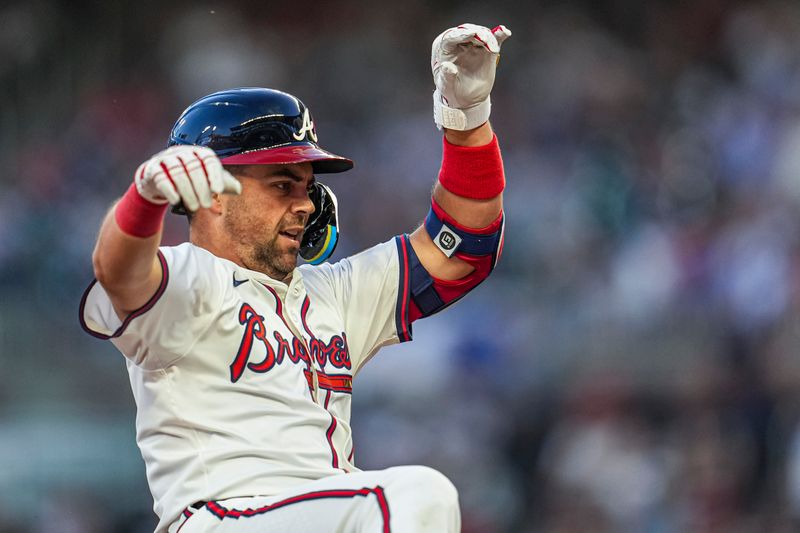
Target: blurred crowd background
(631, 366)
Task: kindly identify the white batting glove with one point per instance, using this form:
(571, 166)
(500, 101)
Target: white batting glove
(463, 60)
(184, 174)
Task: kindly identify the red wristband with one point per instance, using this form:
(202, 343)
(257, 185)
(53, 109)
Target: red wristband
(472, 171)
(137, 216)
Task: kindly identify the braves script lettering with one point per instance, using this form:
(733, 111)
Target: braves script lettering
(334, 352)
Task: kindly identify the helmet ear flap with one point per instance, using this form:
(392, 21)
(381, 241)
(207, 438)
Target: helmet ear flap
(322, 229)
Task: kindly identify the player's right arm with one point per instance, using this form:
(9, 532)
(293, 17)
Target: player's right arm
(125, 258)
(126, 266)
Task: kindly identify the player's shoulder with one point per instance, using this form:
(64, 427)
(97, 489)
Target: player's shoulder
(184, 249)
(380, 255)
(380, 252)
(191, 252)
(314, 274)
(195, 264)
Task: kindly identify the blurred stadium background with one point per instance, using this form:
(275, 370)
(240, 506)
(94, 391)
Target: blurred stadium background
(633, 364)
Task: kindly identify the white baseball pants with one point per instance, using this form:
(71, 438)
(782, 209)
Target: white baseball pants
(404, 499)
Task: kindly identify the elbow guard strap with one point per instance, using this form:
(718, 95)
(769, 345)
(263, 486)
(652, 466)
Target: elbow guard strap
(481, 248)
(454, 239)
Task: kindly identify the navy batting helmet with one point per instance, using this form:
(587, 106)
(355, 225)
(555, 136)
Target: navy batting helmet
(256, 126)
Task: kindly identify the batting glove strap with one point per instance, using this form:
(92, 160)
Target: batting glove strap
(463, 63)
(459, 119)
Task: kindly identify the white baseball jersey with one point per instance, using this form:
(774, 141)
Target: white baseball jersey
(242, 383)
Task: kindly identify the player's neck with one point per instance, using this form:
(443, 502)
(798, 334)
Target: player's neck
(220, 246)
(204, 239)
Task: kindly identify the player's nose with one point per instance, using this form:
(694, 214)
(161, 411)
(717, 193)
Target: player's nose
(303, 205)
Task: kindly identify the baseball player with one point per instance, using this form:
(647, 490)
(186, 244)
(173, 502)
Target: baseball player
(242, 363)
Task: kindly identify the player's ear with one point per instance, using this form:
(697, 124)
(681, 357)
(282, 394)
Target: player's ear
(216, 204)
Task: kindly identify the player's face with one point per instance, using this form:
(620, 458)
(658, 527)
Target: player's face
(265, 223)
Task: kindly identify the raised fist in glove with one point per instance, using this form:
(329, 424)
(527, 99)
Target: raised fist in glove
(463, 60)
(186, 175)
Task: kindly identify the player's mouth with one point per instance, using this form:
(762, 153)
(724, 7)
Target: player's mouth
(294, 234)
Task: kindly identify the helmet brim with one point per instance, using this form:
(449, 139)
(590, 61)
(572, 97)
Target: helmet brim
(322, 161)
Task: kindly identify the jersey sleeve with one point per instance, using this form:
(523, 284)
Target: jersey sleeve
(372, 291)
(165, 328)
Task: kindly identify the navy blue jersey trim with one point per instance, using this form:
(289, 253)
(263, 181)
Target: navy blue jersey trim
(423, 291)
(401, 314)
(142, 310)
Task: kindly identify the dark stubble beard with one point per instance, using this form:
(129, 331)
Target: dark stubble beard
(266, 257)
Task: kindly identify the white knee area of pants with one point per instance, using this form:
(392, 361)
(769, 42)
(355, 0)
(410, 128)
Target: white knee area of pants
(433, 486)
(423, 499)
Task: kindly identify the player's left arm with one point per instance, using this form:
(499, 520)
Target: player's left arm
(476, 214)
(459, 243)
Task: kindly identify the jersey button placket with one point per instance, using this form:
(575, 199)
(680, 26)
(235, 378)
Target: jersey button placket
(294, 320)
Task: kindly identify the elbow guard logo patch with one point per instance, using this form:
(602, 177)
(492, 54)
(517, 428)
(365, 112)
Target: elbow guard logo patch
(447, 240)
